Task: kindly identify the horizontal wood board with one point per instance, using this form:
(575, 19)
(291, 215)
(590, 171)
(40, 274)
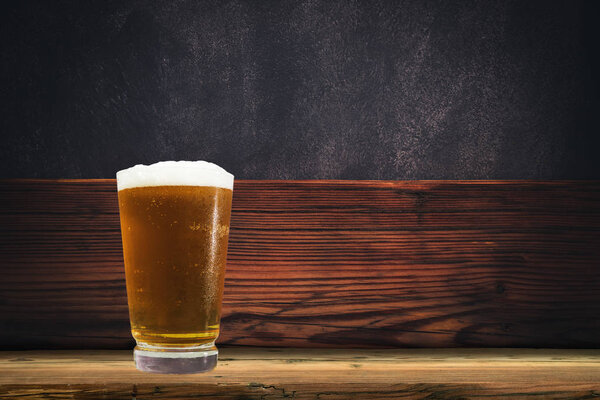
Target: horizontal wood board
(325, 374)
(325, 264)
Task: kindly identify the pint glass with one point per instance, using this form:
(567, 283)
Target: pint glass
(175, 228)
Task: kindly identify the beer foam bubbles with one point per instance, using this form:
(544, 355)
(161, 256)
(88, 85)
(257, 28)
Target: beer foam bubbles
(175, 173)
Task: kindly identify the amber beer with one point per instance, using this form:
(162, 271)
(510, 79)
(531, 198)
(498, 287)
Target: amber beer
(175, 229)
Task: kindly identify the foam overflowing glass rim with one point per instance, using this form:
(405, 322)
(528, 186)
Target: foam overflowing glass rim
(174, 173)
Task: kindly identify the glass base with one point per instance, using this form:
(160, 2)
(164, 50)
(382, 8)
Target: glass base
(181, 360)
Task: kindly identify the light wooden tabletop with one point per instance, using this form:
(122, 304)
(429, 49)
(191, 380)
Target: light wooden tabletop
(276, 373)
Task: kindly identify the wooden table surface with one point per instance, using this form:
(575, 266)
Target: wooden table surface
(281, 373)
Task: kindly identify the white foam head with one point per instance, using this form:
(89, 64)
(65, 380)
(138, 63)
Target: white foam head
(175, 173)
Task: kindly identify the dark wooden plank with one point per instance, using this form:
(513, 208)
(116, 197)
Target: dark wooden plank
(259, 373)
(325, 263)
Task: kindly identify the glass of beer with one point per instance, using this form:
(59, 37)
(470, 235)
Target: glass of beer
(175, 228)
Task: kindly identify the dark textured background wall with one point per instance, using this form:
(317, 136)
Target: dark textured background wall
(302, 89)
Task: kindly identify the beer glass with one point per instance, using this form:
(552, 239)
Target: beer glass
(175, 228)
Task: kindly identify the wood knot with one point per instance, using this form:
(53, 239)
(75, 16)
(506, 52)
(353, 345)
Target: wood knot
(500, 288)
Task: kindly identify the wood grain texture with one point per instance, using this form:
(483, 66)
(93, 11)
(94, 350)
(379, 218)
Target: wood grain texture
(255, 373)
(325, 264)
